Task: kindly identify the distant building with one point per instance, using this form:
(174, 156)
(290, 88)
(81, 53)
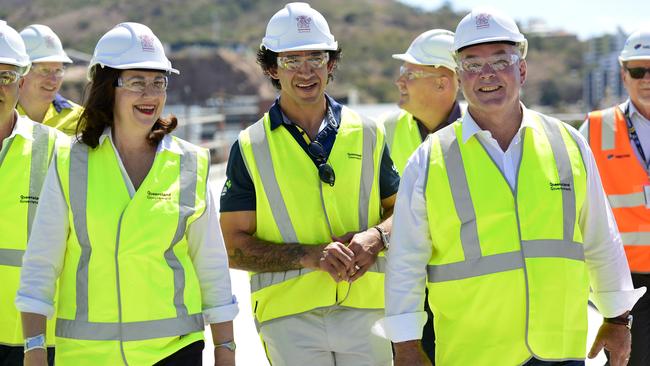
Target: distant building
(602, 81)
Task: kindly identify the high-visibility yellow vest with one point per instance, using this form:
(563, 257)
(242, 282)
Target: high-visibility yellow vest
(294, 206)
(402, 137)
(64, 120)
(507, 277)
(23, 165)
(129, 294)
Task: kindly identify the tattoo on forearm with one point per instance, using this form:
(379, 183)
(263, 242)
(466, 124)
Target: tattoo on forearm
(263, 257)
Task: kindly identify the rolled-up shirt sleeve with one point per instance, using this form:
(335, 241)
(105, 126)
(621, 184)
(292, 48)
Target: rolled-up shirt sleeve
(43, 259)
(208, 254)
(612, 290)
(409, 253)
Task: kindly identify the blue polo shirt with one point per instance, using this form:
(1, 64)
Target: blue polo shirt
(238, 192)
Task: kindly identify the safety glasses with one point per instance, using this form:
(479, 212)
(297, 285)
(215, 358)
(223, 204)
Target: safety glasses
(325, 171)
(139, 84)
(637, 72)
(294, 63)
(47, 71)
(8, 77)
(407, 74)
(474, 65)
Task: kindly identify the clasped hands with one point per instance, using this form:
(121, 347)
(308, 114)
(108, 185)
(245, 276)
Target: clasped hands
(349, 257)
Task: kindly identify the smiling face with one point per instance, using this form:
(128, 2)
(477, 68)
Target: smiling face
(9, 95)
(139, 110)
(42, 82)
(304, 86)
(420, 87)
(490, 90)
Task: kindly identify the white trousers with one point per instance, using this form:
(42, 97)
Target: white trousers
(331, 336)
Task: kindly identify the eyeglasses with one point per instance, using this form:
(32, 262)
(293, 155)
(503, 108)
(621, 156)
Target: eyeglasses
(47, 71)
(294, 63)
(139, 84)
(8, 77)
(637, 72)
(325, 171)
(474, 65)
(414, 74)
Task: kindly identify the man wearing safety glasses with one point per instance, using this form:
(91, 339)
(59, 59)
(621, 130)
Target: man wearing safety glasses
(307, 204)
(26, 151)
(40, 99)
(620, 139)
(503, 216)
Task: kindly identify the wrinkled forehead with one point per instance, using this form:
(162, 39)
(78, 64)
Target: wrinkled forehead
(301, 53)
(141, 73)
(487, 50)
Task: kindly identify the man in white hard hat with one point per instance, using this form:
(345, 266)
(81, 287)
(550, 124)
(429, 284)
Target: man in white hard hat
(40, 99)
(428, 87)
(306, 206)
(26, 151)
(503, 216)
(620, 140)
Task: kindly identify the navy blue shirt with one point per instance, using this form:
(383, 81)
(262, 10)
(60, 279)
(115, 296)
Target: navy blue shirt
(238, 193)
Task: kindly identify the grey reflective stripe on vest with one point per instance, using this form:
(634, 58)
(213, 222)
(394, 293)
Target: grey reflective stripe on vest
(477, 265)
(266, 279)
(505, 261)
(460, 193)
(626, 200)
(11, 257)
(133, 331)
(367, 171)
(78, 192)
(262, 156)
(38, 168)
(636, 238)
(390, 124)
(563, 162)
(607, 128)
(187, 203)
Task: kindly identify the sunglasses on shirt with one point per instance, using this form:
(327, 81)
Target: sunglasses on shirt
(325, 171)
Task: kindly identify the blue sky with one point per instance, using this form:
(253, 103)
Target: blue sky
(584, 18)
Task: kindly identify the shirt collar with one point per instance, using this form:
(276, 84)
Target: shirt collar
(471, 128)
(60, 103)
(167, 143)
(277, 117)
(633, 112)
(22, 127)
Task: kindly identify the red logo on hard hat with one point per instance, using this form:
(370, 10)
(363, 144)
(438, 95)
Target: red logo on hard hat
(303, 23)
(147, 42)
(49, 42)
(483, 21)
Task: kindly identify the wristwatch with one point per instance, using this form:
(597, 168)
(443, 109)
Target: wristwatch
(230, 345)
(36, 342)
(625, 319)
(384, 237)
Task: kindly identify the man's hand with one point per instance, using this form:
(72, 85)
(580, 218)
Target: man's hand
(224, 357)
(35, 357)
(365, 245)
(410, 353)
(616, 339)
(338, 261)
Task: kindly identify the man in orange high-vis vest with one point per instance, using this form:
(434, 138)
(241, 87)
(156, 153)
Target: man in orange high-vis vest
(620, 139)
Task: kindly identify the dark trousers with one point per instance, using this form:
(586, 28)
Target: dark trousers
(191, 355)
(13, 356)
(536, 362)
(641, 324)
(428, 335)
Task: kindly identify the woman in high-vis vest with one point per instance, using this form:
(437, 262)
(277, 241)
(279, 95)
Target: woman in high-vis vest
(128, 225)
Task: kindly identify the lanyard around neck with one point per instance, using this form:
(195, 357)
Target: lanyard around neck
(634, 137)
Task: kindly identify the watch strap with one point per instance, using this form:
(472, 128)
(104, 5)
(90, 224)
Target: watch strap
(36, 342)
(230, 345)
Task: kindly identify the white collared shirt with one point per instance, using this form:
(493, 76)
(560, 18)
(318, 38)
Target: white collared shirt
(43, 260)
(410, 250)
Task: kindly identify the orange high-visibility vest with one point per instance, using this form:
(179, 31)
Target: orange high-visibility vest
(623, 177)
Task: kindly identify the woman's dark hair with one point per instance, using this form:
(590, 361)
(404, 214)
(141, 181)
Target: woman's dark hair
(268, 60)
(99, 100)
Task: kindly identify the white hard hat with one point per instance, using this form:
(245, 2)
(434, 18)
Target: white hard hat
(298, 27)
(43, 45)
(431, 48)
(12, 48)
(637, 46)
(485, 25)
(130, 46)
